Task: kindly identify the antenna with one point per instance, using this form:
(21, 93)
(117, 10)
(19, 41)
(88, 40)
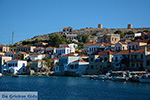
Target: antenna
(12, 36)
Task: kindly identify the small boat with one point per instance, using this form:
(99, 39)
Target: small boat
(15, 75)
(145, 79)
(134, 79)
(1, 74)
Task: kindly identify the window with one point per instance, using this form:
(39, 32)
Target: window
(115, 39)
(141, 56)
(105, 59)
(123, 48)
(116, 59)
(91, 59)
(148, 62)
(92, 67)
(132, 64)
(112, 39)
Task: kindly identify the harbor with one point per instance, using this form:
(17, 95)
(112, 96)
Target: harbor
(76, 88)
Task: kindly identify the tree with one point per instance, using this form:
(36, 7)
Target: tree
(85, 38)
(47, 62)
(119, 32)
(129, 32)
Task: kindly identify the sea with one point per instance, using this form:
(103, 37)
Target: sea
(76, 88)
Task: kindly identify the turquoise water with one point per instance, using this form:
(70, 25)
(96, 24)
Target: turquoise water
(72, 88)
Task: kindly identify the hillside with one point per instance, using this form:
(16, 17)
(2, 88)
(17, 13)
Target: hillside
(87, 31)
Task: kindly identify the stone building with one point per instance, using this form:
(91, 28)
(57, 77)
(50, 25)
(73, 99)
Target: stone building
(108, 38)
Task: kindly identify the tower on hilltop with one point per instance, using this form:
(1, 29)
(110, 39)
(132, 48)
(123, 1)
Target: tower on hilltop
(129, 26)
(100, 26)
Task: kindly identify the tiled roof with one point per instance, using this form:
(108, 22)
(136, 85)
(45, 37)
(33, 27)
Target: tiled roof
(54, 58)
(3, 56)
(123, 52)
(11, 52)
(80, 60)
(3, 46)
(37, 60)
(82, 55)
(16, 60)
(124, 43)
(136, 42)
(1, 52)
(69, 55)
(22, 52)
(40, 48)
(50, 47)
(69, 27)
(106, 52)
(140, 51)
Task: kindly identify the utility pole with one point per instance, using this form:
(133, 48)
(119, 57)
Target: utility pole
(12, 37)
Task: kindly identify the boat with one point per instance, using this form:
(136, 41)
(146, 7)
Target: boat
(145, 78)
(1, 74)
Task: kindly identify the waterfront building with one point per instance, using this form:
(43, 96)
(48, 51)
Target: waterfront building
(100, 62)
(120, 46)
(4, 48)
(135, 45)
(138, 59)
(77, 67)
(148, 62)
(39, 50)
(26, 48)
(40, 44)
(121, 60)
(108, 38)
(3, 61)
(21, 55)
(36, 65)
(11, 54)
(64, 61)
(15, 66)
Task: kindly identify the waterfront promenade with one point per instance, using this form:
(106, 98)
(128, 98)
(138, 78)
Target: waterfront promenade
(74, 88)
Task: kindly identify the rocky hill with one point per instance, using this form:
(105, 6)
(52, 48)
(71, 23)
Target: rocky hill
(88, 31)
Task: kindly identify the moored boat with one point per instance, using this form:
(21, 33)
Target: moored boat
(145, 79)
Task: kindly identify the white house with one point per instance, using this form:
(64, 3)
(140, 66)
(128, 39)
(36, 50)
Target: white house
(78, 67)
(36, 56)
(64, 61)
(11, 54)
(72, 46)
(15, 66)
(63, 51)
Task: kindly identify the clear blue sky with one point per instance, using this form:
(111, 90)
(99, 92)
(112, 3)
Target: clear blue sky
(28, 18)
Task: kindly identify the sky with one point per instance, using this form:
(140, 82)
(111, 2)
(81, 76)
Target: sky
(28, 18)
